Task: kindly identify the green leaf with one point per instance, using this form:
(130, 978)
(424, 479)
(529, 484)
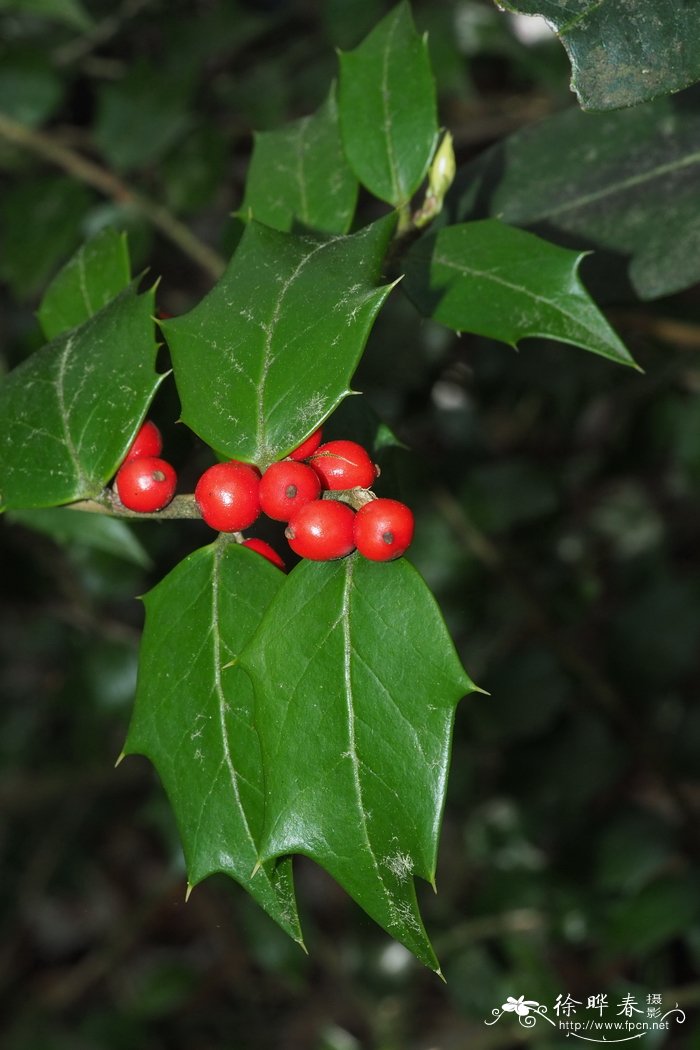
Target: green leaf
(269, 353)
(70, 12)
(97, 531)
(141, 116)
(501, 282)
(195, 168)
(96, 274)
(623, 54)
(299, 174)
(40, 224)
(622, 183)
(388, 114)
(70, 411)
(30, 90)
(356, 682)
(193, 719)
(658, 913)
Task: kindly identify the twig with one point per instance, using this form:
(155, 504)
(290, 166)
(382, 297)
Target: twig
(43, 145)
(180, 507)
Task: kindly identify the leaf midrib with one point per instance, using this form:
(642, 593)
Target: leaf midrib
(352, 742)
(618, 187)
(269, 329)
(59, 387)
(490, 276)
(386, 117)
(221, 702)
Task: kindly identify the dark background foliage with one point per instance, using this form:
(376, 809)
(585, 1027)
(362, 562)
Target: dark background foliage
(557, 506)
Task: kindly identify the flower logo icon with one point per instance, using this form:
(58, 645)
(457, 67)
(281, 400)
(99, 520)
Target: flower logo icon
(521, 1006)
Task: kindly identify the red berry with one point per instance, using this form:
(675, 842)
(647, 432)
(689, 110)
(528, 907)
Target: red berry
(383, 529)
(307, 447)
(145, 483)
(227, 495)
(322, 530)
(343, 465)
(148, 442)
(286, 487)
(266, 550)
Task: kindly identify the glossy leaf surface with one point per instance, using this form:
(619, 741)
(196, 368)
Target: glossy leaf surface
(504, 283)
(70, 411)
(623, 53)
(97, 273)
(270, 352)
(387, 105)
(624, 184)
(299, 174)
(356, 683)
(193, 719)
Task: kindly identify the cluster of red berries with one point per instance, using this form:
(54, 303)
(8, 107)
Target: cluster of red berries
(230, 496)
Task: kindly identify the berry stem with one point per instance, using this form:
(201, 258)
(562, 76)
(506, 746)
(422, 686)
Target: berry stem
(108, 503)
(355, 498)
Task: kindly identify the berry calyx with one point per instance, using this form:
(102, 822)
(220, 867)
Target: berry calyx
(145, 484)
(286, 487)
(307, 447)
(383, 529)
(322, 530)
(227, 495)
(264, 549)
(343, 465)
(148, 442)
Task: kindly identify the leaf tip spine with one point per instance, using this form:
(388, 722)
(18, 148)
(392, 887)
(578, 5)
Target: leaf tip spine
(256, 868)
(473, 688)
(120, 758)
(188, 891)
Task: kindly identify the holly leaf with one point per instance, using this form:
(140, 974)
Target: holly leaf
(70, 411)
(194, 720)
(388, 112)
(623, 54)
(624, 184)
(501, 282)
(299, 174)
(356, 683)
(269, 353)
(95, 275)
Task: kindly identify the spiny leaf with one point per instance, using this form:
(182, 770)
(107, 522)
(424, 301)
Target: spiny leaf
(96, 274)
(626, 52)
(356, 682)
(501, 282)
(624, 184)
(388, 115)
(70, 411)
(193, 719)
(299, 174)
(270, 352)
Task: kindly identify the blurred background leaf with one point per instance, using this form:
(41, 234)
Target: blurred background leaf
(558, 510)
